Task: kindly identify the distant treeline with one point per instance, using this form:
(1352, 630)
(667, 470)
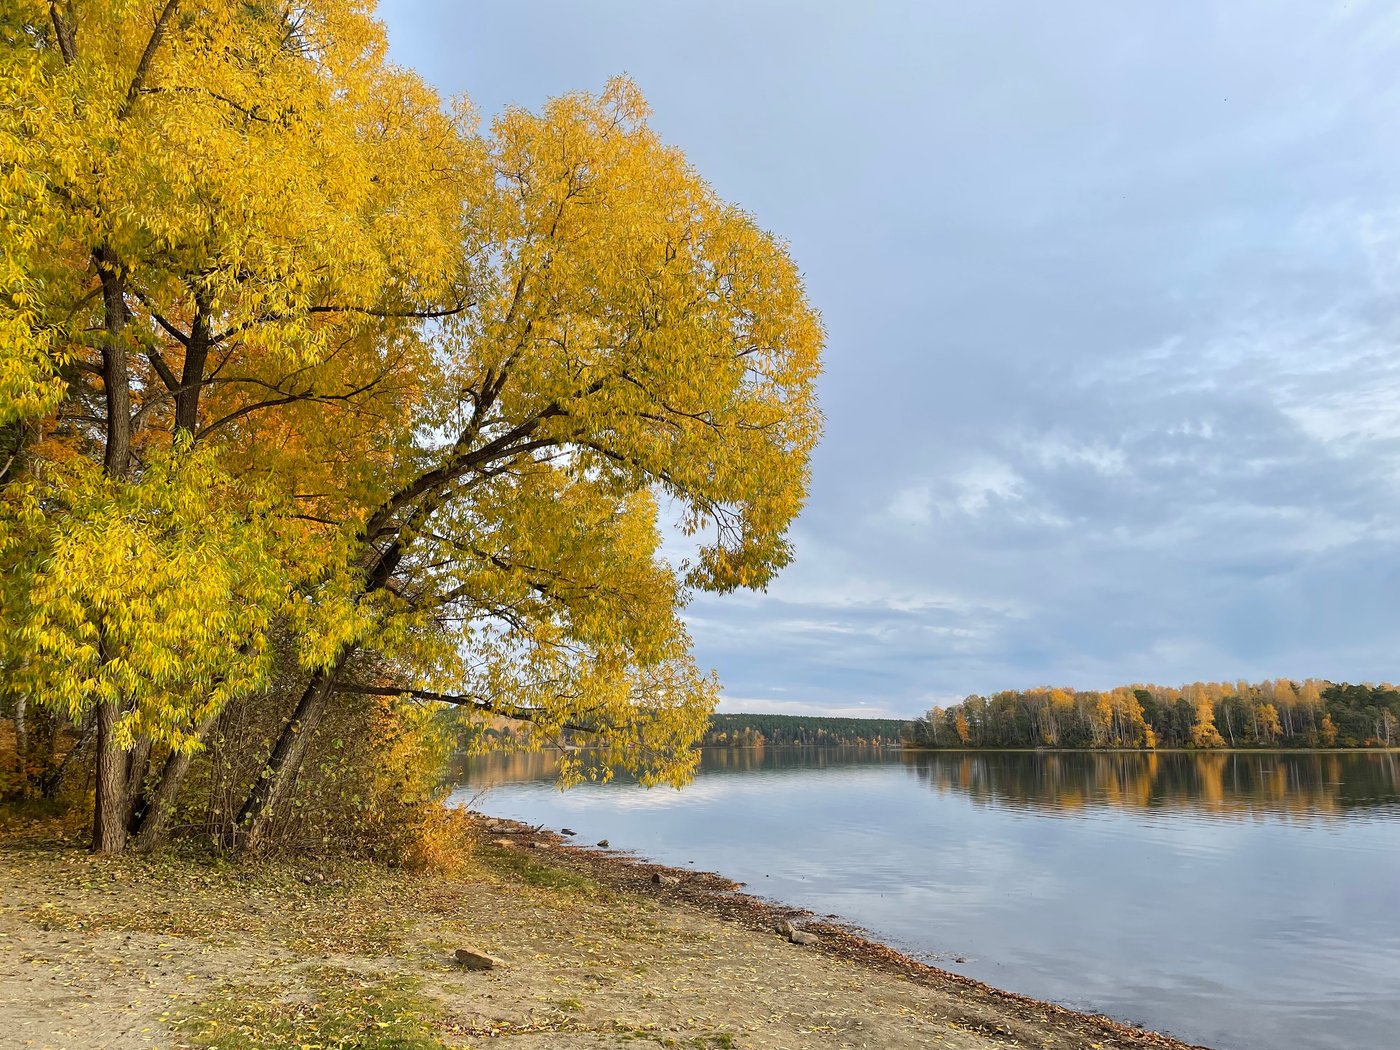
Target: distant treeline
(752, 730)
(1280, 713)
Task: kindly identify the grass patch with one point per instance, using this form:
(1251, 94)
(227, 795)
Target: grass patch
(521, 867)
(347, 1012)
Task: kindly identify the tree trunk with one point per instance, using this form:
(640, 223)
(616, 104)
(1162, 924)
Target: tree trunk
(154, 819)
(116, 377)
(109, 812)
(276, 778)
(109, 819)
(22, 743)
(138, 764)
(272, 784)
(52, 780)
(192, 375)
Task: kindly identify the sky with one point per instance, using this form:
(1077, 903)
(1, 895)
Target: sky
(1112, 299)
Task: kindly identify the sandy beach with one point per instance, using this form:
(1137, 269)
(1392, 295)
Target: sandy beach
(594, 948)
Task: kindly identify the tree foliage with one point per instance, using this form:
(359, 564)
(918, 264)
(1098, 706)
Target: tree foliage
(748, 730)
(1277, 713)
(296, 351)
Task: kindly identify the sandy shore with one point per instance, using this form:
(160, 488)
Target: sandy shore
(182, 951)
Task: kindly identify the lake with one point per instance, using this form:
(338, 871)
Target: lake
(1245, 900)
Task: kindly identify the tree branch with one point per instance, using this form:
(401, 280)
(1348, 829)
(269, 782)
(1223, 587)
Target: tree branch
(65, 31)
(143, 67)
(479, 703)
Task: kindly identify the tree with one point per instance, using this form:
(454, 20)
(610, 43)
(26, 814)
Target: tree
(213, 202)
(1203, 730)
(1270, 728)
(1327, 731)
(960, 723)
(631, 334)
(423, 391)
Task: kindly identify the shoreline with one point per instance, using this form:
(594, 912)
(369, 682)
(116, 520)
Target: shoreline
(188, 950)
(989, 1010)
(1381, 750)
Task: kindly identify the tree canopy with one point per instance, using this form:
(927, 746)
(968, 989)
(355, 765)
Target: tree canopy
(1272, 713)
(752, 730)
(308, 375)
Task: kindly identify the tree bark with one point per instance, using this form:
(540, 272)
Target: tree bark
(109, 813)
(192, 375)
(109, 809)
(138, 764)
(22, 743)
(116, 376)
(273, 782)
(153, 821)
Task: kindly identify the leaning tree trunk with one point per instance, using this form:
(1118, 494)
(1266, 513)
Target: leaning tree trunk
(274, 782)
(150, 824)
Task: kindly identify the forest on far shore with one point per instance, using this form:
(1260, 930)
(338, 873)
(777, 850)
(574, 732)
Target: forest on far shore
(742, 730)
(1278, 713)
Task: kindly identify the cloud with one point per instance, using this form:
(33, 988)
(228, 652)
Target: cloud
(911, 506)
(1111, 382)
(984, 485)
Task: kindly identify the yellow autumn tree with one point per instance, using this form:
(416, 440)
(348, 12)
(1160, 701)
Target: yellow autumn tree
(425, 390)
(1203, 730)
(960, 723)
(1270, 728)
(632, 337)
(1327, 731)
(213, 211)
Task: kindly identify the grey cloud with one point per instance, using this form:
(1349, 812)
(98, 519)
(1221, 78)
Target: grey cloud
(1112, 382)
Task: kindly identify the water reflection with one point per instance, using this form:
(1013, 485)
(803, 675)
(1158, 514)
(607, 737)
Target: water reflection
(1294, 785)
(1247, 900)
(496, 768)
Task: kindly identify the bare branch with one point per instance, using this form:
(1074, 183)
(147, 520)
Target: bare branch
(474, 701)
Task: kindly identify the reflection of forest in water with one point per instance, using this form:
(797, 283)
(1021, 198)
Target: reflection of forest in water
(509, 767)
(1239, 783)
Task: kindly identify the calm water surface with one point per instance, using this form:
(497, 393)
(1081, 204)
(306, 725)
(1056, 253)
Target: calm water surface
(1249, 901)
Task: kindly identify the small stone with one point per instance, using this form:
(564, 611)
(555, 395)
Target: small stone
(603, 844)
(803, 937)
(568, 831)
(502, 842)
(473, 959)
